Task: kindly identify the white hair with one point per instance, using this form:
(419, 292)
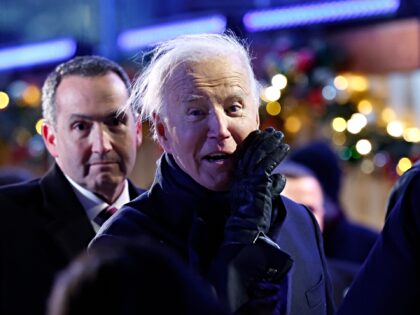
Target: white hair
(148, 91)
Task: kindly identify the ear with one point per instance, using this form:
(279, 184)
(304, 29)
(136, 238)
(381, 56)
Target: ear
(139, 132)
(162, 133)
(48, 134)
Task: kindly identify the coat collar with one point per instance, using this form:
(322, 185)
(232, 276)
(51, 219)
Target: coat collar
(181, 199)
(193, 216)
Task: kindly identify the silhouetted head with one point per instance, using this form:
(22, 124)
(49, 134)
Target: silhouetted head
(323, 161)
(141, 277)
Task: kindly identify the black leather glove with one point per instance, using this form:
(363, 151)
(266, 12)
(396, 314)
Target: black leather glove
(254, 187)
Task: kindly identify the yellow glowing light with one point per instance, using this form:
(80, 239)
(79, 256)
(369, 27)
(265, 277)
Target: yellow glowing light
(339, 124)
(292, 124)
(358, 83)
(339, 138)
(273, 108)
(367, 166)
(279, 81)
(395, 128)
(4, 100)
(272, 94)
(341, 82)
(32, 95)
(365, 107)
(38, 125)
(363, 146)
(403, 165)
(412, 134)
(388, 115)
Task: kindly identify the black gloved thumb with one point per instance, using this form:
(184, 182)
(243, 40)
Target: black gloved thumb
(277, 185)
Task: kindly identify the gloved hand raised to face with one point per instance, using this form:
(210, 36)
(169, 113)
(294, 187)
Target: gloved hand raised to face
(254, 187)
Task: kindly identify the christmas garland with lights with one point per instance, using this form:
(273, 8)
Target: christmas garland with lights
(308, 95)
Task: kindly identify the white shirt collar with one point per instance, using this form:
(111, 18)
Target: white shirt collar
(93, 204)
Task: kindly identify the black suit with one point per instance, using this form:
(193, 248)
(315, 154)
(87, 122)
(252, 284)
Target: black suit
(43, 226)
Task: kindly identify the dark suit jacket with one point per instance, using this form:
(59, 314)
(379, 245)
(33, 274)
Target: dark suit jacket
(388, 282)
(43, 226)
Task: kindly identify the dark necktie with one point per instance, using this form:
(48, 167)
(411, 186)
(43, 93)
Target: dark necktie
(104, 215)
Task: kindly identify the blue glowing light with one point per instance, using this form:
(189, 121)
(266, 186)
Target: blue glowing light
(323, 12)
(36, 54)
(148, 36)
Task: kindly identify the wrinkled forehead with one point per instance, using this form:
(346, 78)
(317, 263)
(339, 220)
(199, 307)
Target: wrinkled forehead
(210, 72)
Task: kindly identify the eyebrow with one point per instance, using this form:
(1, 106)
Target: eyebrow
(108, 115)
(192, 97)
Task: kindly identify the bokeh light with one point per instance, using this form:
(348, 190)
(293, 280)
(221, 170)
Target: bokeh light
(356, 123)
(272, 94)
(4, 100)
(16, 88)
(329, 92)
(365, 107)
(363, 146)
(36, 146)
(358, 83)
(273, 108)
(341, 82)
(339, 138)
(38, 126)
(403, 165)
(292, 124)
(412, 134)
(32, 95)
(388, 115)
(395, 129)
(380, 159)
(360, 119)
(339, 124)
(279, 81)
(367, 166)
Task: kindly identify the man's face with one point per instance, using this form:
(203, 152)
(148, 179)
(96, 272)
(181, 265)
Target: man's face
(307, 190)
(91, 144)
(208, 112)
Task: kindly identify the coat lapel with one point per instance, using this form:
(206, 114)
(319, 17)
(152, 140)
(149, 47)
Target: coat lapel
(68, 223)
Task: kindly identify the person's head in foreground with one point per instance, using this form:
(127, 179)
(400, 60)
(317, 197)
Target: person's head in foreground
(131, 278)
(201, 95)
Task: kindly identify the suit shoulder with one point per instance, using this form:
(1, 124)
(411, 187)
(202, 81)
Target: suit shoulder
(22, 192)
(297, 210)
(298, 220)
(128, 222)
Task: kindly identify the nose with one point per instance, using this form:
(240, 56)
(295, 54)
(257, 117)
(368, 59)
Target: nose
(218, 125)
(101, 139)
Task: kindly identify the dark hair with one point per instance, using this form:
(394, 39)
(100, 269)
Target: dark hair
(86, 66)
(128, 278)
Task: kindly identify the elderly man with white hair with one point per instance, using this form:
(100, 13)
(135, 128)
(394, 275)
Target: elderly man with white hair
(214, 200)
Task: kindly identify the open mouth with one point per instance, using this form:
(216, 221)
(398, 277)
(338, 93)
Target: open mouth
(219, 157)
